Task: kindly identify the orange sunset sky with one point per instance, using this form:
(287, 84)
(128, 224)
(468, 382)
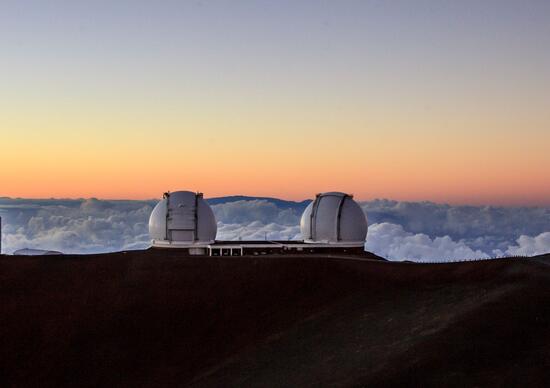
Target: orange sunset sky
(440, 101)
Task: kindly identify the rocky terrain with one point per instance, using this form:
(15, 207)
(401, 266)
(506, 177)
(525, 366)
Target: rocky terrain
(154, 318)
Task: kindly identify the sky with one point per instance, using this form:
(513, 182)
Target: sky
(446, 101)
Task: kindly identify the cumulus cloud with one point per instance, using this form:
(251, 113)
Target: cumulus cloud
(393, 242)
(258, 231)
(398, 230)
(490, 229)
(75, 226)
(262, 210)
(530, 246)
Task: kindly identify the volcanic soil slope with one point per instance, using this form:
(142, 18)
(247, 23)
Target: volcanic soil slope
(155, 318)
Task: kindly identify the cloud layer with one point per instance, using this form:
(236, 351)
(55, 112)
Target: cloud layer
(74, 226)
(490, 229)
(397, 230)
(393, 242)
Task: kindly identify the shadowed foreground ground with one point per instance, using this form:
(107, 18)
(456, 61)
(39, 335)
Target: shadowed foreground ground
(151, 318)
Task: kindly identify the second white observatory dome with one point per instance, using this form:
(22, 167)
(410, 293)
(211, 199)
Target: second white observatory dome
(334, 218)
(182, 218)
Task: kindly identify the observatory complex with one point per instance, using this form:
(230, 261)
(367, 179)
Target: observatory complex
(332, 223)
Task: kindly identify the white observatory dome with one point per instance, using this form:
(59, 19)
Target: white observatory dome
(182, 218)
(334, 218)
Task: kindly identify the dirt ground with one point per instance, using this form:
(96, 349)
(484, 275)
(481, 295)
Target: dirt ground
(158, 319)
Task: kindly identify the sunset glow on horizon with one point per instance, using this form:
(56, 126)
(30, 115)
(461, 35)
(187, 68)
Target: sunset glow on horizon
(446, 102)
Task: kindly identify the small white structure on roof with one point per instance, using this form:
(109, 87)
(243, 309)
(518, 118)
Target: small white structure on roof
(334, 218)
(183, 219)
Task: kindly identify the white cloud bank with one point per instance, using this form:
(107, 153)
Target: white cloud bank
(86, 226)
(258, 231)
(531, 246)
(393, 242)
(399, 230)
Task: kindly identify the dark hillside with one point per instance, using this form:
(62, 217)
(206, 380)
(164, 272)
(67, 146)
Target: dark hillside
(154, 318)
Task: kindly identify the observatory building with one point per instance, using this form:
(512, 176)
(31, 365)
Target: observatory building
(183, 220)
(334, 219)
(332, 223)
